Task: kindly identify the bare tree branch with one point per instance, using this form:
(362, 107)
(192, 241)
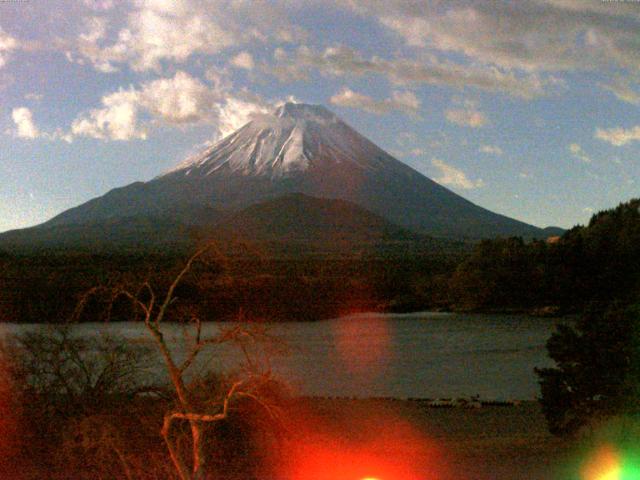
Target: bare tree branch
(190, 408)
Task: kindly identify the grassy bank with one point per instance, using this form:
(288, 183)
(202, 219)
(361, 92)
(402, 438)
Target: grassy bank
(492, 442)
(394, 439)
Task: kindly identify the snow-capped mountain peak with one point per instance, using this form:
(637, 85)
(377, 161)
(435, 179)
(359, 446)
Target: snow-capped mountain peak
(292, 139)
(297, 149)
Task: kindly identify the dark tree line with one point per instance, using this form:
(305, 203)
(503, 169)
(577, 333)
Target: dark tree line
(594, 264)
(46, 287)
(592, 271)
(596, 378)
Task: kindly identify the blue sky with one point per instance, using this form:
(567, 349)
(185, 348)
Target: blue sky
(528, 108)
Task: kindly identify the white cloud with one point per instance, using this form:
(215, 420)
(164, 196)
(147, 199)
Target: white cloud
(26, 128)
(95, 29)
(159, 31)
(8, 44)
(93, 33)
(236, 112)
(619, 136)
(537, 35)
(491, 149)
(168, 30)
(180, 100)
(99, 4)
(466, 118)
(412, 152)
(219, 79)
(116, 120)
(343, 61)
(439, 140)
(404, 101)
(454, 177)
(466, 114)
(23, 120)
(622, 88)
(406, 138)
(36, 97)
(348, 98)
(243, 60)
(577, 151)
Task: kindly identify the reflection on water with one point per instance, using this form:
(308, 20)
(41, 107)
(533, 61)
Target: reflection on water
(413, 355)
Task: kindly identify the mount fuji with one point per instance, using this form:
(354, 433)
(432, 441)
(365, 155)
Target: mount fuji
(297, 149)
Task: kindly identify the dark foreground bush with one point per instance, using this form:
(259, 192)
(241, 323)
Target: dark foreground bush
(80, 408)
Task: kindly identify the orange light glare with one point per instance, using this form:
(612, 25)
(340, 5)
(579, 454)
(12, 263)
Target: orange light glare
(604, 465)
(378, 447)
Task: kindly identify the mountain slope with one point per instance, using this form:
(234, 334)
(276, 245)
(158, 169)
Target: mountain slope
(302, 218)
(294, 223)
(129, 233)
(298, 148)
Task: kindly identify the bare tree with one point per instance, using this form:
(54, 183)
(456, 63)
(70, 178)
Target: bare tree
(70, 373)
(65, 382)
(192, 408)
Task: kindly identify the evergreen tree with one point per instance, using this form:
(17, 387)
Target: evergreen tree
(597, 373)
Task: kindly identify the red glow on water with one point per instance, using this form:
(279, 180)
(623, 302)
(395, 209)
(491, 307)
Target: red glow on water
(363, 344)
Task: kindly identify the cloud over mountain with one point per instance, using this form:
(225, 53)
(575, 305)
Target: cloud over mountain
(454, 177)
(179, 100)
(404, 101)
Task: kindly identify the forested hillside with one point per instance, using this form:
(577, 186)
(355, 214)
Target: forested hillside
(596, 263)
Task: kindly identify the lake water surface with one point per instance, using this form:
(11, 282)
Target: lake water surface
(413, 355)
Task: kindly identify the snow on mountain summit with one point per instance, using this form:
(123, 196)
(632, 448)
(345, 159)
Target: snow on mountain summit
(292, 139)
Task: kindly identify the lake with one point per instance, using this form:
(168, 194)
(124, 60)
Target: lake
(422, 355)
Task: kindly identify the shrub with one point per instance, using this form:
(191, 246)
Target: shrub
(597, 373)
